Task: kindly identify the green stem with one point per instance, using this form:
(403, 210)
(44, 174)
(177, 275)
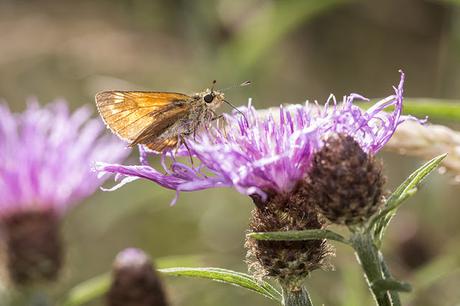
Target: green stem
(368, 257)
(295, 297)
(394, 295)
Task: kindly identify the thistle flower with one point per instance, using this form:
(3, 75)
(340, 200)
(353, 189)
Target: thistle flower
(257, 154)
(135, 281)
(45, 168)
(291, 164)
(346, 181)
(253, 156)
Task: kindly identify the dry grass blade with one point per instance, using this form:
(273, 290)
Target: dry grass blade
(426, 141)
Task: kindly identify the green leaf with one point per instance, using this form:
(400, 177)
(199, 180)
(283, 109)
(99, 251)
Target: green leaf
(313, 234)
(229, 277)
(408, 188)
(382, 285)
(97, 286)
(88, 290)
(435, 109)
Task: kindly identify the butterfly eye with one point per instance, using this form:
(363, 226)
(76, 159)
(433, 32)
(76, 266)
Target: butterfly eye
(208, 98)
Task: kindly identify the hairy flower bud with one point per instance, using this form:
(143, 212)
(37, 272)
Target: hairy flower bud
(345, 182)
(32, 246)
(288, 261)
(135, 281)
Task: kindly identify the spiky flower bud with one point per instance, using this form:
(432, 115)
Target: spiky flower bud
(135, 281)
(32, 246)
(345, 182)
(288, 261)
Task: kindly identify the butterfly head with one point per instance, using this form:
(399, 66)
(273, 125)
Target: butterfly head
(212, 98)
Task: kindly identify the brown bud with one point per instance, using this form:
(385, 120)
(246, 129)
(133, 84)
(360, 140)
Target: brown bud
(345, 182)
(135, 281)
(32, 245)
(289, 261)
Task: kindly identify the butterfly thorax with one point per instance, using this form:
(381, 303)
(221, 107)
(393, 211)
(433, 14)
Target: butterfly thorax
(203, 106)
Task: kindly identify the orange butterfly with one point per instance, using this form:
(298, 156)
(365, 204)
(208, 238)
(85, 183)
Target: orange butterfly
(159, 120)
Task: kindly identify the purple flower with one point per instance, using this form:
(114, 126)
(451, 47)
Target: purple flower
(46, 155)
(260, 154)
(373, 128)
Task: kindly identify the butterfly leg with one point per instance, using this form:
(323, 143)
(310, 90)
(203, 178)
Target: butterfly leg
(217, 117)
(182, 140)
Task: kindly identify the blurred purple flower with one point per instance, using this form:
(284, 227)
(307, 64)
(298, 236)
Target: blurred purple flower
(267, 153)
(46, 155)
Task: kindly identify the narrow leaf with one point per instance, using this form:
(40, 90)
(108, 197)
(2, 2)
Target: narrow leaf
(391, 285)
(314, 234)
(435, 109)
(404, 191)
(97, 286)
(229, 277)
(88, 290)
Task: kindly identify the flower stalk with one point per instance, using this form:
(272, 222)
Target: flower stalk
(394, 295)
(369, 258)
(296, 297)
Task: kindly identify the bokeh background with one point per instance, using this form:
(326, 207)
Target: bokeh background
(291, 51)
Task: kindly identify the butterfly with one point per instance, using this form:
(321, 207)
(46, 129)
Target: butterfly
(158, 120)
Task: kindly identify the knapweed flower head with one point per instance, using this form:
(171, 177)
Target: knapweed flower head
(345, 180)
(135, 281)
(46, 155)
(261, 154)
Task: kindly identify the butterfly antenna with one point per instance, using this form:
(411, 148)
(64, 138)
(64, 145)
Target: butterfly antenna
(245, 83)
(213, 84)
(235, 108)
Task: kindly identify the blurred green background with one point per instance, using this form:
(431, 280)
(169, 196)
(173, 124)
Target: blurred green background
(292, 51)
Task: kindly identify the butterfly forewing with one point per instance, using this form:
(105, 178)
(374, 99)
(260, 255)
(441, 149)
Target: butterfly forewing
(141, 117)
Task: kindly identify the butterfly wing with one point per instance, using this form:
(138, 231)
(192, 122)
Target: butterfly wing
(142, 117)
(160, 144)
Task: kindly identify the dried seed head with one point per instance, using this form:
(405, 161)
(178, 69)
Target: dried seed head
(288, 261)
(345, 182)
(135, 281)
(32, 246)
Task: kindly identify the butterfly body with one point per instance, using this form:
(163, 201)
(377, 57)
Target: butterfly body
(159, 120)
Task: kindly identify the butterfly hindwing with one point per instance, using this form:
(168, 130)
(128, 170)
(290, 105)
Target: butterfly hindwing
(160, 144)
